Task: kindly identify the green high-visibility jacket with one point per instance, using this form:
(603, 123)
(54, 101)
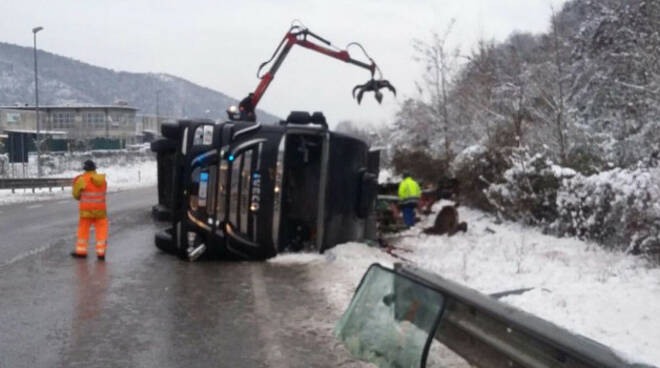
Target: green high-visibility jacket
(409, 191)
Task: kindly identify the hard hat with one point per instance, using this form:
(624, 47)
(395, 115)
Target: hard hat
(89, 165)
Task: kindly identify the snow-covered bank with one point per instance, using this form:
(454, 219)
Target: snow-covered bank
(612, 298)
(119, 177)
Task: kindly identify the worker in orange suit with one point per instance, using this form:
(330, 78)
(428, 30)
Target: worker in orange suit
(89, 188)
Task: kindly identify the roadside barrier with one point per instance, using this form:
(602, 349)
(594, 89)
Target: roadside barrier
(34, 183)
(396, 315)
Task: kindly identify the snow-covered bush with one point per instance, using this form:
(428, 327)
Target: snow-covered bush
(620, 209)
(421, 165)
(586, 158)
(529, 188)
(475, 168)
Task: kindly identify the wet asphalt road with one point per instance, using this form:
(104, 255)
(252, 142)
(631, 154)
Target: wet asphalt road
(143, 308)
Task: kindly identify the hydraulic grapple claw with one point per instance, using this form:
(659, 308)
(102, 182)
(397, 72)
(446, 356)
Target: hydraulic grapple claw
(372, 85)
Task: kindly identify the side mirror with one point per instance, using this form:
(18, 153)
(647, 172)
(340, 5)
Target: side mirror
(233, 113)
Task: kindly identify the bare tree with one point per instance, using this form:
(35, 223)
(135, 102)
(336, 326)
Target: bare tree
(559, 119)
(547, 87)
(474, 90)
(512, 94)
(439, 63)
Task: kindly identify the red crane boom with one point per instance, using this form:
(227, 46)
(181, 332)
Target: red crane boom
(298, 35)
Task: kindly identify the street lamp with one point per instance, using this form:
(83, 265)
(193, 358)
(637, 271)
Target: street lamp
(36, 97)
(158, 91)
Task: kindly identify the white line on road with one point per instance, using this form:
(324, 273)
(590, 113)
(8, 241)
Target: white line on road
(272, 347)
(34, 206)
(61, 202)
(25, 255)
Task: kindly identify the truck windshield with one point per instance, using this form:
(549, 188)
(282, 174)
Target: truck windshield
(300, 166)
(241, 174)
(222, 192)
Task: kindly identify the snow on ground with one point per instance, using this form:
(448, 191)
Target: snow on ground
(612, 298)
(119, 177)
(122, 177)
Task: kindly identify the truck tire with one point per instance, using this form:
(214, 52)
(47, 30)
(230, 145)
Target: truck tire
(163, 145)
(171, 131)
(165, 241)
(161, 213)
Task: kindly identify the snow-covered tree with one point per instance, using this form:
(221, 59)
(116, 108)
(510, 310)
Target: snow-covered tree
(435, 103)
(616, 76)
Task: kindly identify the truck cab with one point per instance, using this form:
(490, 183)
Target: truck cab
(247, 190)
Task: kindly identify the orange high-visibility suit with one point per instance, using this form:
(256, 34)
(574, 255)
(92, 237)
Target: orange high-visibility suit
(90, 188)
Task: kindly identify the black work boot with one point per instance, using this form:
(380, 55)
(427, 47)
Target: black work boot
(100, 257)
(76, 255)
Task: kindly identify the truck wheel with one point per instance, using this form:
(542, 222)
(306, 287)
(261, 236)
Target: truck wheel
(163, 145)
(171, 131)
(165, 242)
(161, 213)
(180, 239)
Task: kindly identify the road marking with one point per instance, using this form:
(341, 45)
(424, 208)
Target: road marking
(61, 202)
(272, 347)
(25, 255)
(34, 206)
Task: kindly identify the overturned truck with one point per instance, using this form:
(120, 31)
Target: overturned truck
(245, 190)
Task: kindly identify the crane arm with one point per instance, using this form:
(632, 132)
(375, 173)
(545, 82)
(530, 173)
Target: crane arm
(299, 36)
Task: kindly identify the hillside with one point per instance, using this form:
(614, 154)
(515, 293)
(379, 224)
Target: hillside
(64, 80)
(558, 129)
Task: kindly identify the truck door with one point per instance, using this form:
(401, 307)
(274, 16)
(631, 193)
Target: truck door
(298, 221)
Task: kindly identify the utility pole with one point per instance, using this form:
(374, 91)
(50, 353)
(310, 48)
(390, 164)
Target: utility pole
(158, 110)
(36, 97)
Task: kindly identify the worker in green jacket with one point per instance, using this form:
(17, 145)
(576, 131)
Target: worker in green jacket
(409, 195)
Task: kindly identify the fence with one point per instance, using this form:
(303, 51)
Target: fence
(34, 183)
(57, 163)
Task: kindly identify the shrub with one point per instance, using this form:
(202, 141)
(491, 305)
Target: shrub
(585, 159)
(528, 188)
(619, 208)
(421, 165)
(475, 168)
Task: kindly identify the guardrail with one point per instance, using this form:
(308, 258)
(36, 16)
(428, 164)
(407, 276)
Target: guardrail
(484, 331)
(489, 333)
(33, 183)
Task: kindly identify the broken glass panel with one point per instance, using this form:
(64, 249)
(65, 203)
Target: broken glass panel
(390, 320)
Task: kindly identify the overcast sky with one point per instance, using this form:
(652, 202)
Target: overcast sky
(219, 44)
